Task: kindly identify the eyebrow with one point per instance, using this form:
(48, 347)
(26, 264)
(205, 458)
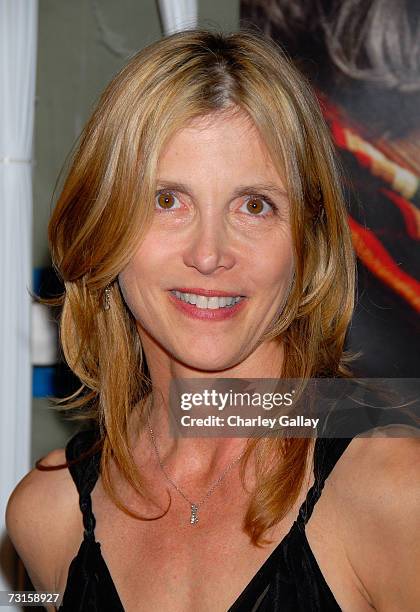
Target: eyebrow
(255, 188)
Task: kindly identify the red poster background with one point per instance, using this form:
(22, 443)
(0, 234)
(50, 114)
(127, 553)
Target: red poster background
(363, 59)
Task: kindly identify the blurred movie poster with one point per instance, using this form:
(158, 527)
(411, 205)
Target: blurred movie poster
(363, 59)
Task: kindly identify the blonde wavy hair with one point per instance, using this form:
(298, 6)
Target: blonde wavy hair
(106, 207)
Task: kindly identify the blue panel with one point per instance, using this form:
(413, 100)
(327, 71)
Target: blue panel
(37, 274)
(43, 381)
(44, 378)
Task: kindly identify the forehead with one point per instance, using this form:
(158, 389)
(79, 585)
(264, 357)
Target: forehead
(232, 117)
(227, 142)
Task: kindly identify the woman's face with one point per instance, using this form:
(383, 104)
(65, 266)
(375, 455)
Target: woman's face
(221, 225)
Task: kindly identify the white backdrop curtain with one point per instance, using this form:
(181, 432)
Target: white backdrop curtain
(178, 14)
(18, 45)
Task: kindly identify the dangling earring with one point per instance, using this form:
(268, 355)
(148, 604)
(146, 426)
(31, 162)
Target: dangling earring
(106, 297)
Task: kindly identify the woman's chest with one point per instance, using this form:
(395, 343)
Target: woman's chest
(167, 563)
(170, 564)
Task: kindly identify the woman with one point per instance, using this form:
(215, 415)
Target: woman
(206, 175)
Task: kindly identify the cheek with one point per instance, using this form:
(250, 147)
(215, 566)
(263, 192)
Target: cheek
(133, 281)
(139, 278)
(129, 289)
(273, 267)
(153, 257)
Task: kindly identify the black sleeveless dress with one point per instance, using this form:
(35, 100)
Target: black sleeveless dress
(289, 580)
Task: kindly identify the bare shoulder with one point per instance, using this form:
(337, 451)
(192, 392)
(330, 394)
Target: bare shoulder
(41, 513)
(376, 489)
(387, 462)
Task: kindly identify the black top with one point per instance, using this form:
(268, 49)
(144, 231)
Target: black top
(290, 580)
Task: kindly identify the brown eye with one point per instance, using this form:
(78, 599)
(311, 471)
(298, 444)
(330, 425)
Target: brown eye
(166, 200)
(259, 206)
(255, 205)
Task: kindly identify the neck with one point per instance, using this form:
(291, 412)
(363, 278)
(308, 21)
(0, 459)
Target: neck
(195, 458)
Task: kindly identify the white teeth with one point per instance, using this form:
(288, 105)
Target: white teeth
(203, 302)
(213, 303)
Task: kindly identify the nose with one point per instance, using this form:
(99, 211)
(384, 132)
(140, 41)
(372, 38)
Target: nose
(208, 246)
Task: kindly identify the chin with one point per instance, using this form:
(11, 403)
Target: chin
(206, 362)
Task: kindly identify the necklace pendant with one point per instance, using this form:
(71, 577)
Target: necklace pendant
(194, 514)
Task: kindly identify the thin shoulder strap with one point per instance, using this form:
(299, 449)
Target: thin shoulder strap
(326, 454)
(83, 464)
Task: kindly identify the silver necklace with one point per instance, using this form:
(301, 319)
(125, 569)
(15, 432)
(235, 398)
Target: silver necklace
(193, 506)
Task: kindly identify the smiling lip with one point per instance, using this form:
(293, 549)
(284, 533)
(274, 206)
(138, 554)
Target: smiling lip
(206, 292)
(207, 314)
